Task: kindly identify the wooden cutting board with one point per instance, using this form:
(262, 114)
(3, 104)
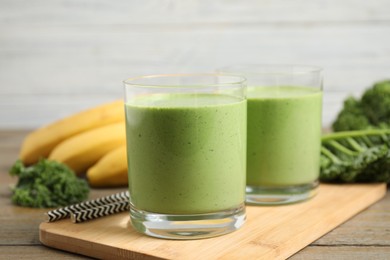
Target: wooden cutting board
(269, 232)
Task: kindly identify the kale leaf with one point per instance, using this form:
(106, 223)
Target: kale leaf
(372, 111)
(356, 156)
(47, 184)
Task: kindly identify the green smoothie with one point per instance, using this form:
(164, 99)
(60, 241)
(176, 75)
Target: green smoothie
(186, 153)
(284, 133)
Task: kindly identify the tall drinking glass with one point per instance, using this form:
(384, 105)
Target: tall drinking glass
(284, 132)
(186, 148)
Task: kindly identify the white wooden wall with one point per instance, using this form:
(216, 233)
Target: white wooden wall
(61, 56)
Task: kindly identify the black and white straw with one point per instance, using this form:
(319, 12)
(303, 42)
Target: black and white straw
(100, 211)
(65, 212)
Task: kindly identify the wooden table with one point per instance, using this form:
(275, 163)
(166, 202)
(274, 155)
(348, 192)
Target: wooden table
(366, 236)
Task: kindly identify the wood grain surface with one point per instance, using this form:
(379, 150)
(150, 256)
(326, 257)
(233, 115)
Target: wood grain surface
(269, 232)
(365, 236)
(57, 57)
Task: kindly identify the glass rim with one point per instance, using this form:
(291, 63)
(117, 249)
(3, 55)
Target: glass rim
(270, 69)
(133, 80)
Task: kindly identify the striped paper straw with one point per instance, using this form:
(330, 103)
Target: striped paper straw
(100, 211)
(65, 212)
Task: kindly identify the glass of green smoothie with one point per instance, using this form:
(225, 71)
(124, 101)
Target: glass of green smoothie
(186, 151)
(284, 132)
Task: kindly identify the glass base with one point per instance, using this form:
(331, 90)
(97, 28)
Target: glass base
(187, 226)
(256, 195)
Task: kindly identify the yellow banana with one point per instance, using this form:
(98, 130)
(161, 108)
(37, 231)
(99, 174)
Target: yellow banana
(110, 170)
(83, 150)
(40, 142)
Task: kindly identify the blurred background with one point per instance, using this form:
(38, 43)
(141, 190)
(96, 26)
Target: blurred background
(58, 57)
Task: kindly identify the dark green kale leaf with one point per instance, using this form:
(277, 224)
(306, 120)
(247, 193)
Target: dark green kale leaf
(375, 103)
(351, 117)
(47, 184)
(356, 156)
(372, 111)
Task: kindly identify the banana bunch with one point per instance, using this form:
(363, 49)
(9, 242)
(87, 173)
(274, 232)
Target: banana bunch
(91, 142)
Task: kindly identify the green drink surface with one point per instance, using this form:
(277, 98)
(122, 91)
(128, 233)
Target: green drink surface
(186, 153)
(284, 133)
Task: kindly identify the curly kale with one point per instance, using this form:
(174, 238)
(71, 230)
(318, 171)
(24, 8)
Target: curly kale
(47, 184)
(351, 117)
(372, 111)
(356, 156)
(376, 103)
